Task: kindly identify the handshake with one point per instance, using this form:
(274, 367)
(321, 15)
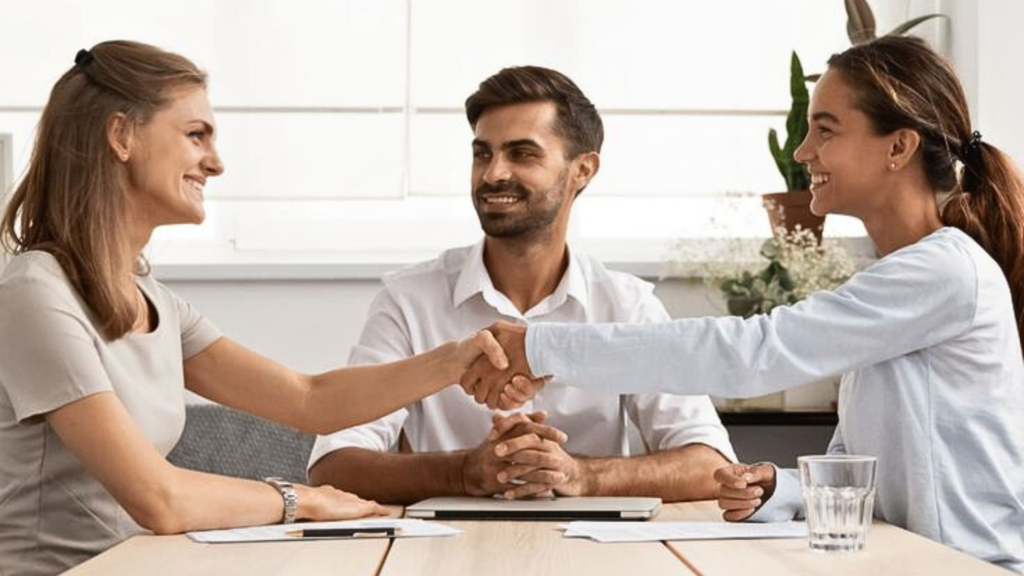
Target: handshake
(494, 367)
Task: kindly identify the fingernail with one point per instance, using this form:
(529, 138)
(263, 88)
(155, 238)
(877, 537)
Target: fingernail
(748, 477)
(502, 478)
(501, 449)
(758, 492)
(756, 503)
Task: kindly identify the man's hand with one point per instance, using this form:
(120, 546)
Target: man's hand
(743, 488)
(487, 383)
(482, 465)
(534, 459)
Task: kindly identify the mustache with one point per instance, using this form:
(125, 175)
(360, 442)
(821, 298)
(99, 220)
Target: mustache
(503, 187)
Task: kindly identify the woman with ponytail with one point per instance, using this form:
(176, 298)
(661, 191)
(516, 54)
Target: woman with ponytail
(928, 338)
(96, 354)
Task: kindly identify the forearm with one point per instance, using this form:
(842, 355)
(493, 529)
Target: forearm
(351, 396)
(188, 500)
(674, 475)
(391, 478)
(229, 374)
(735, 357)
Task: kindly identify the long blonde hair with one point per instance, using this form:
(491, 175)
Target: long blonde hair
(72, 200)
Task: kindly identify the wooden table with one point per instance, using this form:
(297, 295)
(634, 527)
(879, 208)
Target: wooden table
(536, 549)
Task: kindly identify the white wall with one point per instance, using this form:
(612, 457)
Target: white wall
(1000, 89)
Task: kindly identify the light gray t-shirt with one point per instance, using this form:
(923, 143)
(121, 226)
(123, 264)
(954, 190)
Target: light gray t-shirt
(54, 514)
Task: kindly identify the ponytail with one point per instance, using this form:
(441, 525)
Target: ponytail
(989, 207)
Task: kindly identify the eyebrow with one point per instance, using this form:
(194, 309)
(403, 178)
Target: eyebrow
(478, 143)
(818, 116)
(207, 127)
(522, 142)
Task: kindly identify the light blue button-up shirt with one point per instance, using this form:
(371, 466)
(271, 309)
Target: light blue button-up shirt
(933, 383)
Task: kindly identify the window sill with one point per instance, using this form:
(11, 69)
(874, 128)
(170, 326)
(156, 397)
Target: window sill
(643, 259)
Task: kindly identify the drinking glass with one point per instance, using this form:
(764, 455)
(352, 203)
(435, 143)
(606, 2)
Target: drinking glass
(839, 495)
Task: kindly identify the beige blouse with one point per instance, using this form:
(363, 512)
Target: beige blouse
(54, 514)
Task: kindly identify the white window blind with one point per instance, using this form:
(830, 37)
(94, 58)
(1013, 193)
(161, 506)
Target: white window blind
(342, 129)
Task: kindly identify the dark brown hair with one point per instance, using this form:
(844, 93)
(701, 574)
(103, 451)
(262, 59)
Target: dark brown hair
(71, 202)
(578, 121)
(901, 83)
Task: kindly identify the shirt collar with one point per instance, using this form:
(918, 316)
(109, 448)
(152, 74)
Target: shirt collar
(474, 279)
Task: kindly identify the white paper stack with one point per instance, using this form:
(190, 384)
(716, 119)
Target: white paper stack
(409, 529)
(660, 531)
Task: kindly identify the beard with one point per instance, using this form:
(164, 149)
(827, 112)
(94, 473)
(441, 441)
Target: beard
(542, 209)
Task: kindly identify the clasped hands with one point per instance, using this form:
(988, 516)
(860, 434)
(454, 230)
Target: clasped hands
(508, 388)
(522, 457)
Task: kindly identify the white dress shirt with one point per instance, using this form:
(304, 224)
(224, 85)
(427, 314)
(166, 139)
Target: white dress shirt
(934, 383)
(448, 298)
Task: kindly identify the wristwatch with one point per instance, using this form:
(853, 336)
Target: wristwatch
(291, 498)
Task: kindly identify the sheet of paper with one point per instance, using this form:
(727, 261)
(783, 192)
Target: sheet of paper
(658, 531)
(410, 529)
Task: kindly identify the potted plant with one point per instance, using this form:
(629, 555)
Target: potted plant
(791, 209)
(797, 266)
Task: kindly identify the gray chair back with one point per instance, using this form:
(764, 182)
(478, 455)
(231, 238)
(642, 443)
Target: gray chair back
(228, 442)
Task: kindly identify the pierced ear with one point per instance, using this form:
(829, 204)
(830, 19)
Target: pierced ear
(120, 135)
(587, 166)
(905, 144)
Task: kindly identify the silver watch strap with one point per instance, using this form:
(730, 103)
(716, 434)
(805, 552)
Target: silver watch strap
(291, 498)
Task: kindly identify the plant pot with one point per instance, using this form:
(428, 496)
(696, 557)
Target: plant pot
(792, 209)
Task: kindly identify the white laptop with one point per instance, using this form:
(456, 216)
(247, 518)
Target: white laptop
(583, 508)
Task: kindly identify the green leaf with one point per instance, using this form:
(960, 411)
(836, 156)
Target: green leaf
(777, 154)
(771, 249)
(792, 171)
(906, 26)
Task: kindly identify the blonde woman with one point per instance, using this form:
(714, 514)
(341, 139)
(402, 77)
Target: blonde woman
(97, 354)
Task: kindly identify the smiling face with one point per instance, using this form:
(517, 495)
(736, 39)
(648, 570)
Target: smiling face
(521, 179)
(847, 160)
(172, 157)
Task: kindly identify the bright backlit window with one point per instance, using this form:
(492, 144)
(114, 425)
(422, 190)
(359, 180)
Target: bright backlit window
(342, 129)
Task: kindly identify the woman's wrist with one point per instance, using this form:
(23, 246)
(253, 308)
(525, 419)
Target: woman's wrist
(446, 365)
(307, 504)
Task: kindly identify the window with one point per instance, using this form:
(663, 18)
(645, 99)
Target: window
(342, 129)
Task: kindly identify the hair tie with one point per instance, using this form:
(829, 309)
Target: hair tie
(971, 147)
(83, 57)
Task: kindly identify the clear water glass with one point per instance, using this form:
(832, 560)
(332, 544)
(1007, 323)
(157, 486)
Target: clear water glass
(839, 496)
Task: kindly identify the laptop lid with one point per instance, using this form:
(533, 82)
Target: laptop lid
(591, 508)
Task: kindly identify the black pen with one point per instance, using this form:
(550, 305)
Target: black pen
(371, 532)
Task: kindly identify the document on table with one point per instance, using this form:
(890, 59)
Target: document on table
(658, 531)
(278, 532)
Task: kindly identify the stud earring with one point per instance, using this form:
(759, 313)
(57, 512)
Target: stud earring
(892, 166)
(124, 158)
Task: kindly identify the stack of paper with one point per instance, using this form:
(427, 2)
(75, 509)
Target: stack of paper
(658, 531)
(409, 529)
